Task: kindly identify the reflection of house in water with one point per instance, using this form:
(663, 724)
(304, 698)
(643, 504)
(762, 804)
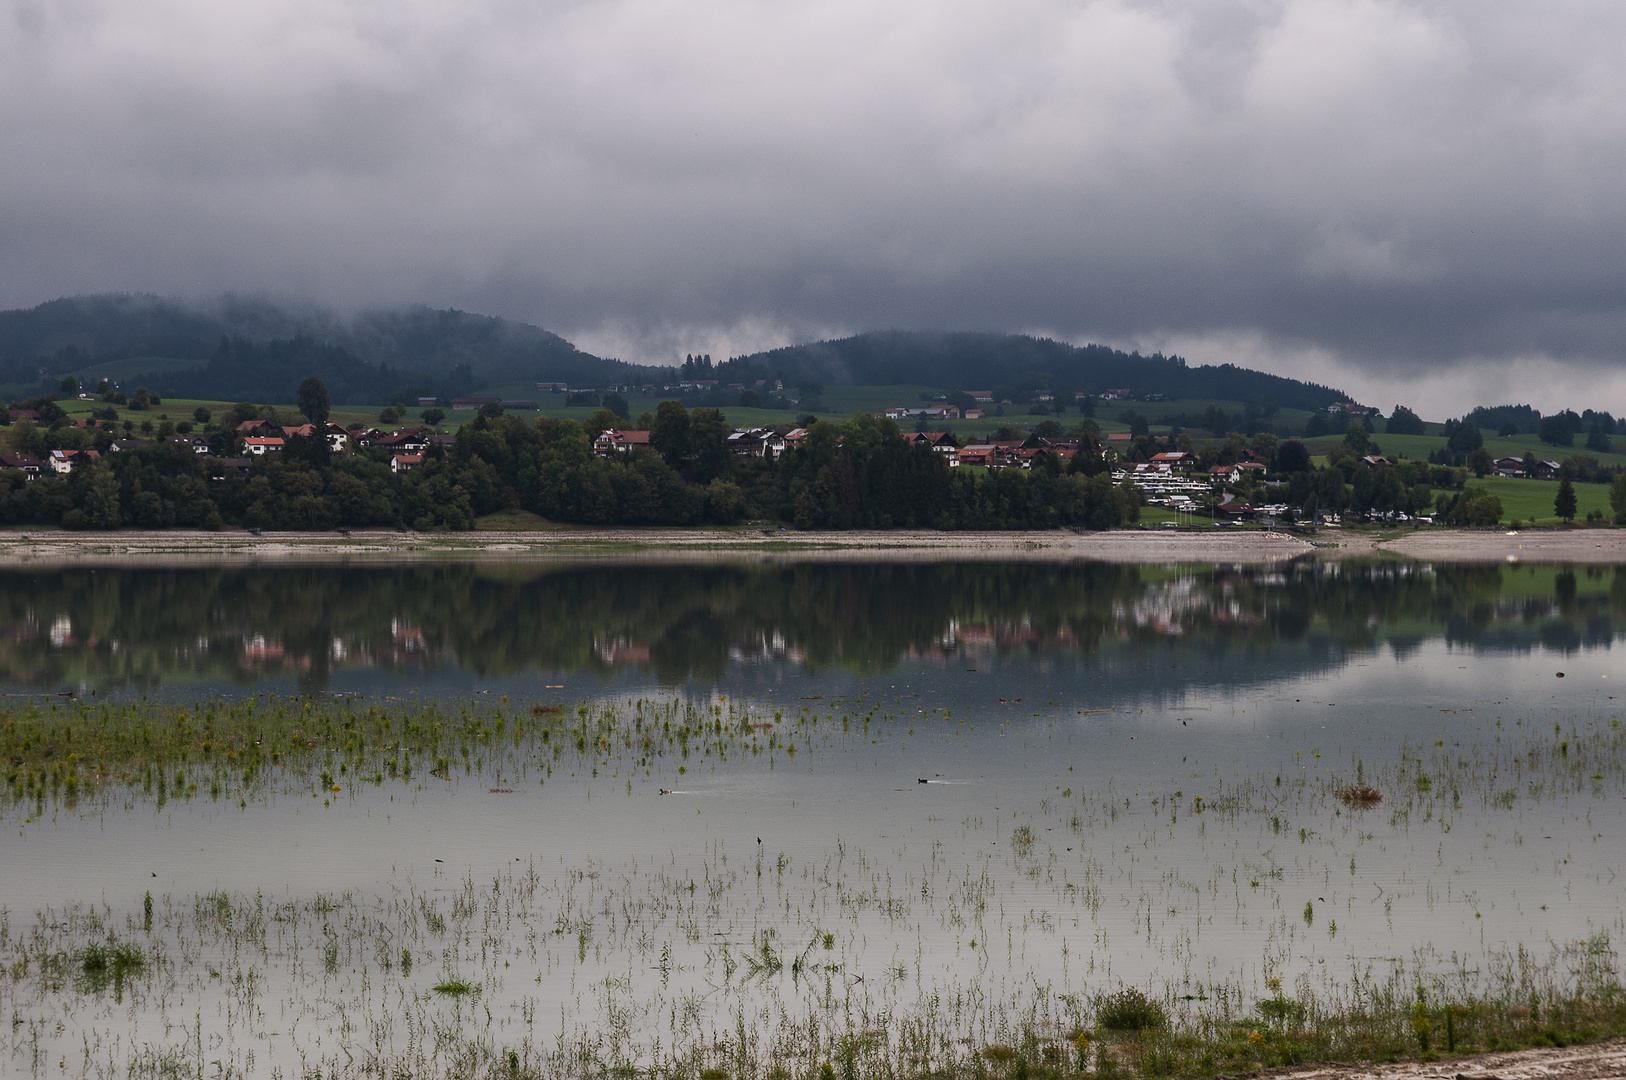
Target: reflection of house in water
(1179, 607)
(620, 651)
(260, 653)
(764, 647)
(407, 638)
(959, 638)
(259, 650)
(61, 632)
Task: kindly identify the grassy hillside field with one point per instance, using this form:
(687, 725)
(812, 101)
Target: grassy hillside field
(1532, 500)
(1418, 447)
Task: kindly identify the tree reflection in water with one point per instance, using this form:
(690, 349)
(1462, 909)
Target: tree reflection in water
(133, 628)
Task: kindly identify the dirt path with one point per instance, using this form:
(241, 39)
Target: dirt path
(1603, 1061)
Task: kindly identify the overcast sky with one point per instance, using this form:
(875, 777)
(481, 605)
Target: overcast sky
(1415, 201)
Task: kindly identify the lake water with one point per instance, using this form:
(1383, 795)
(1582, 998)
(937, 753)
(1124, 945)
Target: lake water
(1014, 787)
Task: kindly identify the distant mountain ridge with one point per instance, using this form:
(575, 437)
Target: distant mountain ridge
(245, 348)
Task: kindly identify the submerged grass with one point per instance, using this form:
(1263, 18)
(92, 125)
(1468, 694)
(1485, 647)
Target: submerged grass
(782, 1028)
(706, 970)
(58, 754)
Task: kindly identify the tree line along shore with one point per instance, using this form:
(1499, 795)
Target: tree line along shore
(261, 467)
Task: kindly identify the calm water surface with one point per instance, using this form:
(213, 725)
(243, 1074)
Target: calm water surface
(1133, 777)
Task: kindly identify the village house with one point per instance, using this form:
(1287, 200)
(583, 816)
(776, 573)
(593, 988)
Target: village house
(941, 441)
(756, 442)
(337, 438)
(1225, 474)
(195, 443)
(1374, 463)
(406, 441)
(63, 461)
(990, 455)
(1178, 460)
(400, 463)
(222, 467)
(260, 445)
(28, 466)
(1234, 509)
(1508, 466)
(1027, 456)
(612, 441)
(1255, 469)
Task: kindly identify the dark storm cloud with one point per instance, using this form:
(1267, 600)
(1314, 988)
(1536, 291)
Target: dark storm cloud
(1365, 191)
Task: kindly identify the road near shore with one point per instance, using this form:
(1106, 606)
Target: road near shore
(46, 547)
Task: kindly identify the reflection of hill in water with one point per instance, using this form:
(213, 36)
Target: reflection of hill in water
(714, 624)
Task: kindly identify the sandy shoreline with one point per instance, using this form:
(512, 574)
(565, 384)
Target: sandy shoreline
(46, 548)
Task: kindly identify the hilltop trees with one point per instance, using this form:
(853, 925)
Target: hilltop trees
(1404, 422)
(1292, 456)
(313, 401)
(1557, 429)
(1463, 438)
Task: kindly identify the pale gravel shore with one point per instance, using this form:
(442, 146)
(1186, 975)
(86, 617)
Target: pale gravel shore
(52, 548)
(1507, 545)
(49, 548)
(1602, 1061)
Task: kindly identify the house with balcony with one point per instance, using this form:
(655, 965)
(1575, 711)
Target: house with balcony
(612, 441)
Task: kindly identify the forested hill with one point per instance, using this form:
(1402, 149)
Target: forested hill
(228, 347)
(1017, 361)
(235, 348)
